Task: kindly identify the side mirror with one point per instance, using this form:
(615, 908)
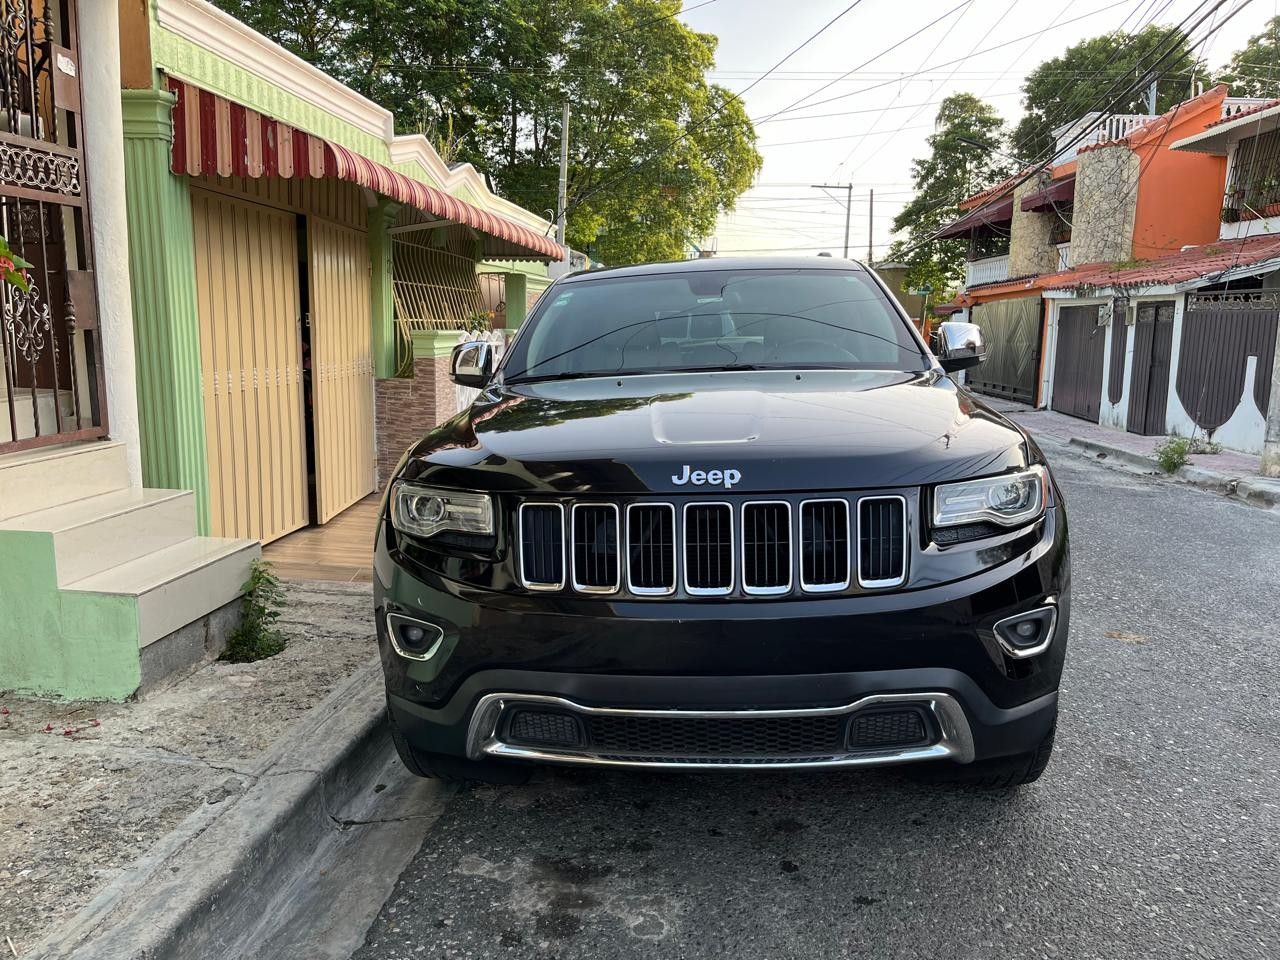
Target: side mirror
(960, 345)
(472, 364)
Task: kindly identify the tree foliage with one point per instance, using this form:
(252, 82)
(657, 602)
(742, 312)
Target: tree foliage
(953, 170)
(656, 151)
(1255, 70)
(1093, 74)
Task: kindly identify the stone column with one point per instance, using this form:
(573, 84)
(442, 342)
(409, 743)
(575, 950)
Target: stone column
(166, 325)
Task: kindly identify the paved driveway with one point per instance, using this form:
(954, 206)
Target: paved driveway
(1155, 832)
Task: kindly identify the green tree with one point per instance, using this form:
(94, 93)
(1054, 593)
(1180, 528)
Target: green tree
(1091, 76)
(1255, 70)
(656, 151)
(953, 170)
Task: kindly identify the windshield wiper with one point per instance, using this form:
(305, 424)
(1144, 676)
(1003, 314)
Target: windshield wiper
(566, 375)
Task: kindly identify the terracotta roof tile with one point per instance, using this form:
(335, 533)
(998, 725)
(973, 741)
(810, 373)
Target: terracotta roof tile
(1198, 262)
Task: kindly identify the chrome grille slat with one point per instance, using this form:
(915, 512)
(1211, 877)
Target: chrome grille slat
(542, 546)
(882, 541)
(596, 564)
(651, 548)
(824, 545)
(766, 547)
(715, 548)
(708, 549)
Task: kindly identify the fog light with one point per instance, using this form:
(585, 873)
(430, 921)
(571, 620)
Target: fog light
(1027, 634)
(413, 639)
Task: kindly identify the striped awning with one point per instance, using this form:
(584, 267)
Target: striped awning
(216, 137)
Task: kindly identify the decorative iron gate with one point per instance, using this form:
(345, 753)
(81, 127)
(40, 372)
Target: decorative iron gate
(1012, 331)
(53, 388)
(1220, 332)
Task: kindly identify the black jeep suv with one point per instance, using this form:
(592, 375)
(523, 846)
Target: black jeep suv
(723, 514)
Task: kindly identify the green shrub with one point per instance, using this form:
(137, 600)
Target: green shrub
(1173, 453)
(1202, 445)
(257, 636)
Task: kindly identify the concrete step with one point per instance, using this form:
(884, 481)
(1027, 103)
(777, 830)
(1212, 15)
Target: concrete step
(178, 584)
(98, 533)
(49, 476)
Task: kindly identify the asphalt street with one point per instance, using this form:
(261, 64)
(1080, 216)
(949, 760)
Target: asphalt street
(1154, 833)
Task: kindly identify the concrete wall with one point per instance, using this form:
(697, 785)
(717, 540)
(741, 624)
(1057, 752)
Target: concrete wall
(104, 159)
(1031, 247)
(1105, 205)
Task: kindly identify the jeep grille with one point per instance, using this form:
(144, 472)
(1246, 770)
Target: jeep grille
(708, 549)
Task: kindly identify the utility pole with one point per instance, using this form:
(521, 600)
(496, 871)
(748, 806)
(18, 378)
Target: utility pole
(1151, 97)
(563, 196)
(848, 207)
(871, 222)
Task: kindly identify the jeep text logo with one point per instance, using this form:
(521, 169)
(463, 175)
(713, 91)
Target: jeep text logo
(699, 477)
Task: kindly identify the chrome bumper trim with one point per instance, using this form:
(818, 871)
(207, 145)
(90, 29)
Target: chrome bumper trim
(955, 741)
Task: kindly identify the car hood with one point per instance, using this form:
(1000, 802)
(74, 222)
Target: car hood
(779, 431)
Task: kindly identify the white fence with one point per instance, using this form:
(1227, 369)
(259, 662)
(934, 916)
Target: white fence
(988, 270)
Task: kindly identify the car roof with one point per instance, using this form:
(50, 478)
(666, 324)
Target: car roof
(716, 263)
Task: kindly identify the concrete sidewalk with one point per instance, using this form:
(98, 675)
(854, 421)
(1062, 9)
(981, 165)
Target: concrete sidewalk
(85, 789)
(1229, 473)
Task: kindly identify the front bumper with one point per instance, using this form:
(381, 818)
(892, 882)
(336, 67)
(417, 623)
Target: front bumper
(934, 649)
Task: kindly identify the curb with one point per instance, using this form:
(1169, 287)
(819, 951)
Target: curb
(1258, 491)
(208, 879)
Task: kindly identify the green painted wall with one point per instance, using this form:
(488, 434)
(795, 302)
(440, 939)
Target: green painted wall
(166, 325)
(59, 643)
(381, 298)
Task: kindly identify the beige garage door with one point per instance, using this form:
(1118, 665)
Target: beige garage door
(342, 365)
(247, 289)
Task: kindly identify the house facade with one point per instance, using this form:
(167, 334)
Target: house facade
(291, 256)
(237, 268)
(1105, 199)
(107, 586)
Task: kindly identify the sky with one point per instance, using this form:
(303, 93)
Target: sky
(873, 147)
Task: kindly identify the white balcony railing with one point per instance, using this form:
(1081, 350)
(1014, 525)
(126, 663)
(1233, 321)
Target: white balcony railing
(1064, 255)
(1110, 128)
(988, 270)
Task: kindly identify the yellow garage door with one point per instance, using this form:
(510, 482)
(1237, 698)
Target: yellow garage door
(342, 365)
(247, 290)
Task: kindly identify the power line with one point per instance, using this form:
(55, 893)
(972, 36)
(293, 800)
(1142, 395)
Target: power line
(985, 50)
(732, 97)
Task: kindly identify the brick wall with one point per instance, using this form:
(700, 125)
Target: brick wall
(405, 408)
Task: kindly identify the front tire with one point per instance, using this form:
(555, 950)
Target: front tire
(1002, 773)
(450, 769)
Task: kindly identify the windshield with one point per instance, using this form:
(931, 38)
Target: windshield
(714, 320)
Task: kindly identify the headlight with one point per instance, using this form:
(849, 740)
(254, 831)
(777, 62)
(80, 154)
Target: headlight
(1009, 500)
(426, 511)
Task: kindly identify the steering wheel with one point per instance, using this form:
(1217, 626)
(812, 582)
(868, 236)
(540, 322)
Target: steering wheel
(826, 351)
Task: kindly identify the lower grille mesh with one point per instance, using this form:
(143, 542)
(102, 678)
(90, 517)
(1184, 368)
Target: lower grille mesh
(727, 737)
(544, 727)
(878, 729)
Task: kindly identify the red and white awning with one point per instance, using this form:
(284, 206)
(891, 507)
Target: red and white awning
(214, 136)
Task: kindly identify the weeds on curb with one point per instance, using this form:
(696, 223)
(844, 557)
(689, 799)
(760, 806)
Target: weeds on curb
(257, 636)
(1173, 454)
